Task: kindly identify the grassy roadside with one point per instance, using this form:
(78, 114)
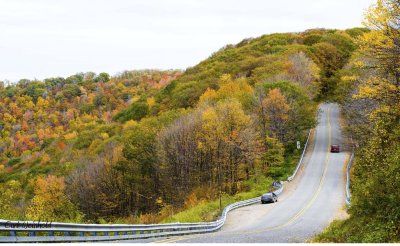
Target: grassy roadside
(209, 211)
(359, 230)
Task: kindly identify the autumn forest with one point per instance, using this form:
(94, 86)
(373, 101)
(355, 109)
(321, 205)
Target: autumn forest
(141, 146)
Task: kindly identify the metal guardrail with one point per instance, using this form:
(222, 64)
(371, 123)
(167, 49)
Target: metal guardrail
(301, 158)
(68, 232)
(34, 231)
(348, 195)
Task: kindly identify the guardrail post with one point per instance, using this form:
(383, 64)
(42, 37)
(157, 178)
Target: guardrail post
(94, 234)
(51, 233)
(82, 234)
(13, 233)
(66, 233)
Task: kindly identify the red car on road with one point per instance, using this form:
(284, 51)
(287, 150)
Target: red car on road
(335, 148)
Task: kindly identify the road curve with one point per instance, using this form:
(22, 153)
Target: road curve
(305, 208)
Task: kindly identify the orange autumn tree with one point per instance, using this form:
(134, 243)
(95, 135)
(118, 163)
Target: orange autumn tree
(277, 110)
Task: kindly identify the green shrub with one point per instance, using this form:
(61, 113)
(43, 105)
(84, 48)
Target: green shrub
(84, 139)
(13, 161)
(135, 111)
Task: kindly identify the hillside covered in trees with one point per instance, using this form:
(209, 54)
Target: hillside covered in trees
(95, 148)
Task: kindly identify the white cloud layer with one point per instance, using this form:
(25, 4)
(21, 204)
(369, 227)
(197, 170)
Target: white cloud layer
(45, 38)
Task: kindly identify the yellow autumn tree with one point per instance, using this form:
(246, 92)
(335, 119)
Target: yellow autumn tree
(11, 193)
(382, 48)
(226, 133)
(50, 202)
(238, 89)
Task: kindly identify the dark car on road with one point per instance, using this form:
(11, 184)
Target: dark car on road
(269, 197)
(335, 148)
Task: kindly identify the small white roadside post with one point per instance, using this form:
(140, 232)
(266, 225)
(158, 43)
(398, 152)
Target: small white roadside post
(298, 144)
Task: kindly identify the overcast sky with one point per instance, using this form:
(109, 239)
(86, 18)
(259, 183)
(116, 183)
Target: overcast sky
(45, 38)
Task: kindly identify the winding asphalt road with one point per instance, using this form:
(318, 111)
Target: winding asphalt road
(305, 208)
